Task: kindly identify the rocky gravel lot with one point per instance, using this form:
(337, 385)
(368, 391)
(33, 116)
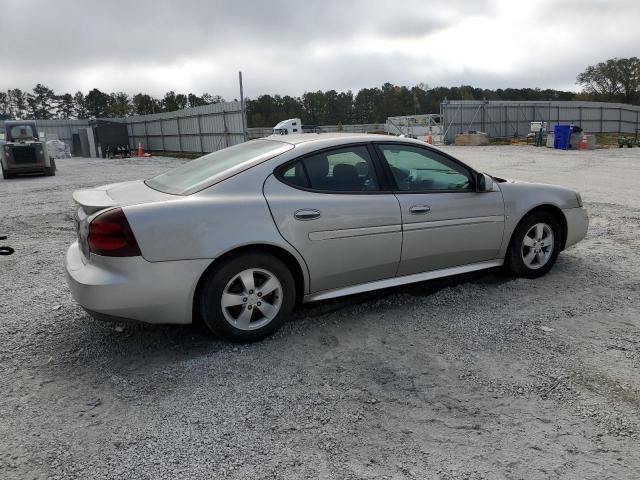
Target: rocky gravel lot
(477, 377)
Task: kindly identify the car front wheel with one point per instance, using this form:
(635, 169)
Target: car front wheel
(247, 297)
(535, 245)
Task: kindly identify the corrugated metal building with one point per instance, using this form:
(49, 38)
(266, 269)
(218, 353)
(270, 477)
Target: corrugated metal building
(512, 118)
(63, 129)
(193, 130)
(212, 127)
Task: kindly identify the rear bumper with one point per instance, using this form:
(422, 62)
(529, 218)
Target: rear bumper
(133, 288)
(577, 225)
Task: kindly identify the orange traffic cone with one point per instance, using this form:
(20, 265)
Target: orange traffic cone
(430, 138)
(584, 144)
(140, 151)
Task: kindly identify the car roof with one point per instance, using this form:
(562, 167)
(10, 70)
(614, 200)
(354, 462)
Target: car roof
(339, 138)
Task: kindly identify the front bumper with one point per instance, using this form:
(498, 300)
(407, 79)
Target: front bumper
(133, 288)
(577, 225)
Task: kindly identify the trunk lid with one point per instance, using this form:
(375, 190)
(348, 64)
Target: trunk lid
(92, 200)
(118, 195)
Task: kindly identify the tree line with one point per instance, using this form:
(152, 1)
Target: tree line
(374, 105)
(43, 103)
(616, 79)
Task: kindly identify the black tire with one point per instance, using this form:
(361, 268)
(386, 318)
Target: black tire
(214, 285)
(50, 171)
(514, 260)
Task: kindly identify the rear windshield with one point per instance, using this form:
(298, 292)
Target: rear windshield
(21, 132)
(209, 169)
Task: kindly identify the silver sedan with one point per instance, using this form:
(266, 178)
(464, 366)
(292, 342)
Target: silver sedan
(238, 237)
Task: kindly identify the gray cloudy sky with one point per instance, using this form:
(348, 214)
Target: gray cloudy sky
(289, 47)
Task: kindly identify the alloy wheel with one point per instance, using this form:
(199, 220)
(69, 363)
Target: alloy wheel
(251, 299)
(537, 246)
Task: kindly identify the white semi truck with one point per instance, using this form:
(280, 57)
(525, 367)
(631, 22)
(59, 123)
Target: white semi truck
(293, 125)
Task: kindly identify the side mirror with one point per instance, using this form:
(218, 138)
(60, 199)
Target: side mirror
(484, 183)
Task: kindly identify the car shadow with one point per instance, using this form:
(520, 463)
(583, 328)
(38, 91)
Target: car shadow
(97, 344)
(26, 176)
(100, 351)
(493, 276)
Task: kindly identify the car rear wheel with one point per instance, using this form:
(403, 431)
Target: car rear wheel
(534, 246)
(247, 297)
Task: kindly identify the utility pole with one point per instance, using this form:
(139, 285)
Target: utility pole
(244, 113)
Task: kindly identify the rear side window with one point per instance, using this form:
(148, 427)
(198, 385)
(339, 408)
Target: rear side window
(295, 175)
(347, 169)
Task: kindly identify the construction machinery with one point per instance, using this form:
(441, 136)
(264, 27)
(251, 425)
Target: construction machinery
(23, 151)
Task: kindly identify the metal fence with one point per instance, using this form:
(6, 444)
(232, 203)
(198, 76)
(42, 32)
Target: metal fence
(508, 119)
(192, 130)
(212, 127)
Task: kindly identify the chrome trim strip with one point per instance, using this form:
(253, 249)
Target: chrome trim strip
(453, 222)
(394, 282)
(353, 232)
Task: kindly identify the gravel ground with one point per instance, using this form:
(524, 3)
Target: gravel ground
(477, 377)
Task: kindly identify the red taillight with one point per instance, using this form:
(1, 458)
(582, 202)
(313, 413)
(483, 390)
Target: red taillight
(110, 235)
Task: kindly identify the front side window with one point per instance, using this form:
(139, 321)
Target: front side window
(347, 169)
(418, 170)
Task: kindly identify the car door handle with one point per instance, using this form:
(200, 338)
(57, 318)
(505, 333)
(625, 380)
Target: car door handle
(420, 209)
(306, 214)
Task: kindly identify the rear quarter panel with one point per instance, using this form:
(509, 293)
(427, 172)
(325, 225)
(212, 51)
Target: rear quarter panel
(231, 214)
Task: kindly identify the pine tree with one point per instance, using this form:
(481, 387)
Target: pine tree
(80, 106)
(41, 103)
(66, 106)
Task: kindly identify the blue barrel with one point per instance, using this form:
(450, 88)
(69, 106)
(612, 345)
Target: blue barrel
(562, 137)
